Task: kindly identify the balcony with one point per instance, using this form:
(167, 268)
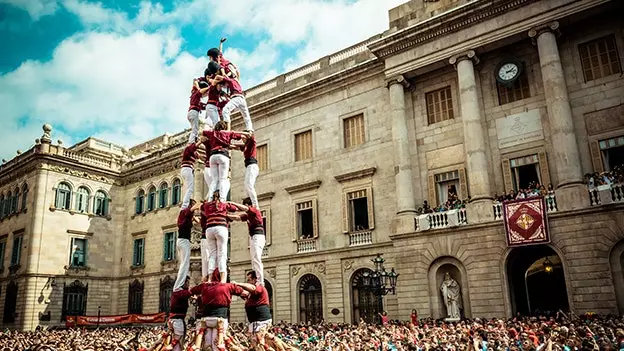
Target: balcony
(441, 220)
(606, 194)
(551, 206)
(306, 245)
(360, 238)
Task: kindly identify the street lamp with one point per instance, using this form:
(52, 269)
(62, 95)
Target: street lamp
(380, 282)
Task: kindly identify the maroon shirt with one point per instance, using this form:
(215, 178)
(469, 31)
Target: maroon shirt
(207, 151)
(195, 100)
(185, 223)
(220, 139)
(249, 148)
(178, 305)
(216, 213)
(254, 221)
(216, 297)
(257, 305)
(213, 95)
(233, 86)
(203, 220)
(189, 155)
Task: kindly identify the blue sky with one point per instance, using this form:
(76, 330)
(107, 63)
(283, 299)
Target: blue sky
(121, 70)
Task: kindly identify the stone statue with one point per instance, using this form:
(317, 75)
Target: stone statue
(452, 297)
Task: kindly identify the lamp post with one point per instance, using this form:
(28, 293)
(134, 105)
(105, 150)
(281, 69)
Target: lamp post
(380, 282)
(99, 311)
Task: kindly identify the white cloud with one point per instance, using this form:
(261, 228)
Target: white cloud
(96, 15)
(35, 8)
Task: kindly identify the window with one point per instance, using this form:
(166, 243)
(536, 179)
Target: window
(2, 251)
(78, 254)
(166, 288)
(599, 58)
(359, 206)
(263, 157)
(1, 206)
(82, 199)
(135, 297)
(63, 196)
(16, 251)
(305, 220)
(15, 201)
(439, 105)
(7, 204)
(446, 186)
(353, 130)
(10, 303)
(151, 199)
(517, 91)
(162, 195)
(100, 207)
(310, 300)
(140, 202)
(612, 152)
(170, 246)
(139, 248)
(303, 145)
(175, 192)
(525, 171)
(365, 304)
(74, 299)
(24, 197)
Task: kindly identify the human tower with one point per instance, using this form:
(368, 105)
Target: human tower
(221, 86)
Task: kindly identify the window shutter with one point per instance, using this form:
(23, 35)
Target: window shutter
(596, 156)
(295, 219)
(315, 218)
(371, 210)
(431, 185)
(165, 243)
(86, 251)
(463, 184)
(267, 214)
(544, 171)
(507, 181)
(345, 212)
(58, 201)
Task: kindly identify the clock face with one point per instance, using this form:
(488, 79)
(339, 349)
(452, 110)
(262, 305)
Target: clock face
(509, 71)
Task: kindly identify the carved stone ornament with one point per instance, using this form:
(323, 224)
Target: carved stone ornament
(320, 267)
(295, 270)
(348, 265)
(79, 174)
(272, 272)
(196, 238)
(466, 55)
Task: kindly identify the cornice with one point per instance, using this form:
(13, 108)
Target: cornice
(77, 232)
(363, 173)
(266, 196)
(303, 187)
(444, 24)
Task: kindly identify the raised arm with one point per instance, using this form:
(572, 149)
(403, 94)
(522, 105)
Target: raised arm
(239, 206)
(246, 286)
(221, 44)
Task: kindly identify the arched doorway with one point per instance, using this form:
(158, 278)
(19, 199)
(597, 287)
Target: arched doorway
(310, 299)
(536, 280)
(616, 260)
(74, 299)
(364, 303)
(269, 289)
(10, 303)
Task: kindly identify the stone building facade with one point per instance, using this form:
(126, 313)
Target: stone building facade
(350, 146)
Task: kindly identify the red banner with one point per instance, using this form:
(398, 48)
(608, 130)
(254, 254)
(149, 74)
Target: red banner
(114, 320)
(526, 222)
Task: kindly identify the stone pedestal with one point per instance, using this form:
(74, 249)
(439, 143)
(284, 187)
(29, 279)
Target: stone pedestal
(403, 223)
(480, 211)
(572, 197)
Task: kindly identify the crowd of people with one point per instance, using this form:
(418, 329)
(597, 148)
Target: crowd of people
(615, 176)
(555, 333)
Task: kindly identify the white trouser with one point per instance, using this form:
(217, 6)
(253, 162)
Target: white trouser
(188, 186)
(204, 256)
(251, 173)
(256, 244)
(212, 115)
(179, 332)
(237, 103)
(216, 239)
(183, 247)
(255, 327)
(211, 333)
(207, 179)
(193, 118)
(219, 167)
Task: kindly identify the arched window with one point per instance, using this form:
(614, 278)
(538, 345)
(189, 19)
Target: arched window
(63, 196)
(175, 192)
(100, 206)
(140, 202)
(162, 195)
(269, 289)
(15, 201)
(166, 288)
(82, 199)
(1, 206)
(151, 199)
(74, 299)
(7, 204)
(135, 297)
(10, 303)
(24, 197)
(364, 303)
(310, 300)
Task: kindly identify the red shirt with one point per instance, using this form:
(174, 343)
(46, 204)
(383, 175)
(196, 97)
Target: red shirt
(258, 297)
(220, 139)
(207, 151)
(414, 317)
(185, 223)
(249, 148)
(216, 213)
(216, 297)
(233, 86)
(254, 221)
(178, 305)
(195, 100)
(384, 320)
(213, 95)
(189, 155)
(225, 63)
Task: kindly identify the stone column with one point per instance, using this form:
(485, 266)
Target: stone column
(405, 199)
(564, 148)
(477, 168)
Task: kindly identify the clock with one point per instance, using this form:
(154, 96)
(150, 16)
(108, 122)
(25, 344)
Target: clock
(508, 71)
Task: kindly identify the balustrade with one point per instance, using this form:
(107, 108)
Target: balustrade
(360, 238)
(306, 245)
